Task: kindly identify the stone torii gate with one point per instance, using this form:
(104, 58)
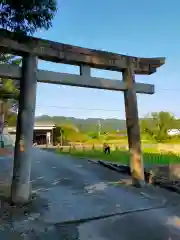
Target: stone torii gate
(31, 49)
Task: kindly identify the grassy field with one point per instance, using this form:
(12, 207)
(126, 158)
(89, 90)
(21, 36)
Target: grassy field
(150, 156)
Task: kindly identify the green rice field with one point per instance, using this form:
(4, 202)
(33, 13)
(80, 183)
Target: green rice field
(123, 156)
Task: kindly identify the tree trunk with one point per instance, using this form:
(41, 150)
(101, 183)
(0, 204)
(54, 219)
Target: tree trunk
(2, 116)
(1, 123)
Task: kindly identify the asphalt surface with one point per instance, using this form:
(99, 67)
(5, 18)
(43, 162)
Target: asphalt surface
(76, 199)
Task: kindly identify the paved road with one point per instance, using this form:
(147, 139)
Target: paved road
(72, 192)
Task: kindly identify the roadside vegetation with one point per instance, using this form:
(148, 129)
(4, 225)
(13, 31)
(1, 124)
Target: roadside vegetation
(157, 145)
(122, 156)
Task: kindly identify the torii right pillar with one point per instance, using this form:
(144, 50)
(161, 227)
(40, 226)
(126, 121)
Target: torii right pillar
(133, 128)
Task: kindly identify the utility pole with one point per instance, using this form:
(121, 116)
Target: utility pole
(99, 128)
(47, 140)
(61, 137)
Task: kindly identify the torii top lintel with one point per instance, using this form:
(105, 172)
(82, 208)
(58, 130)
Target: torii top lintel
(68, 54)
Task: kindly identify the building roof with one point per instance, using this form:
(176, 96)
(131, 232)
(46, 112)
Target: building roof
(37, 126)
(44, 123)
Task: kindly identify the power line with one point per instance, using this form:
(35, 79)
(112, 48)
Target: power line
(95, 109)
(167, 89)
(89, 109)
(157, 88)
(71, 108)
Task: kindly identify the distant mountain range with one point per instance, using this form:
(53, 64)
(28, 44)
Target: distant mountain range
(89, 124)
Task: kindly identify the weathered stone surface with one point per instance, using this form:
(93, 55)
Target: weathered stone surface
(174, 172)
(167, 176)
(68, 54)
(169, 172)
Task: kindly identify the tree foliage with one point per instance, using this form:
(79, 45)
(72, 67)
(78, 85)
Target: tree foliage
(24, 17)
(11, 119)
(69, 133)
(27, 16)
(156, 125)
(9, 91)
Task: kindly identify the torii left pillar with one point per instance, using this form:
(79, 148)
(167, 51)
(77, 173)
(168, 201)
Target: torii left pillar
(20, 188)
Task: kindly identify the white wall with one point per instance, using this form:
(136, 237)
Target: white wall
(173, 132)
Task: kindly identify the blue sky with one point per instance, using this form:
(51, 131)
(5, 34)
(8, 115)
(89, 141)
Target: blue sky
(139, 28)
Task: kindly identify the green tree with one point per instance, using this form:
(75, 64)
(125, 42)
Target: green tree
(58, 135)
(66, 133)
(11, 119)
(9, 91)
(28, 16)
(156, 125)
(93, 135)
(69, 131)
(25, 18)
